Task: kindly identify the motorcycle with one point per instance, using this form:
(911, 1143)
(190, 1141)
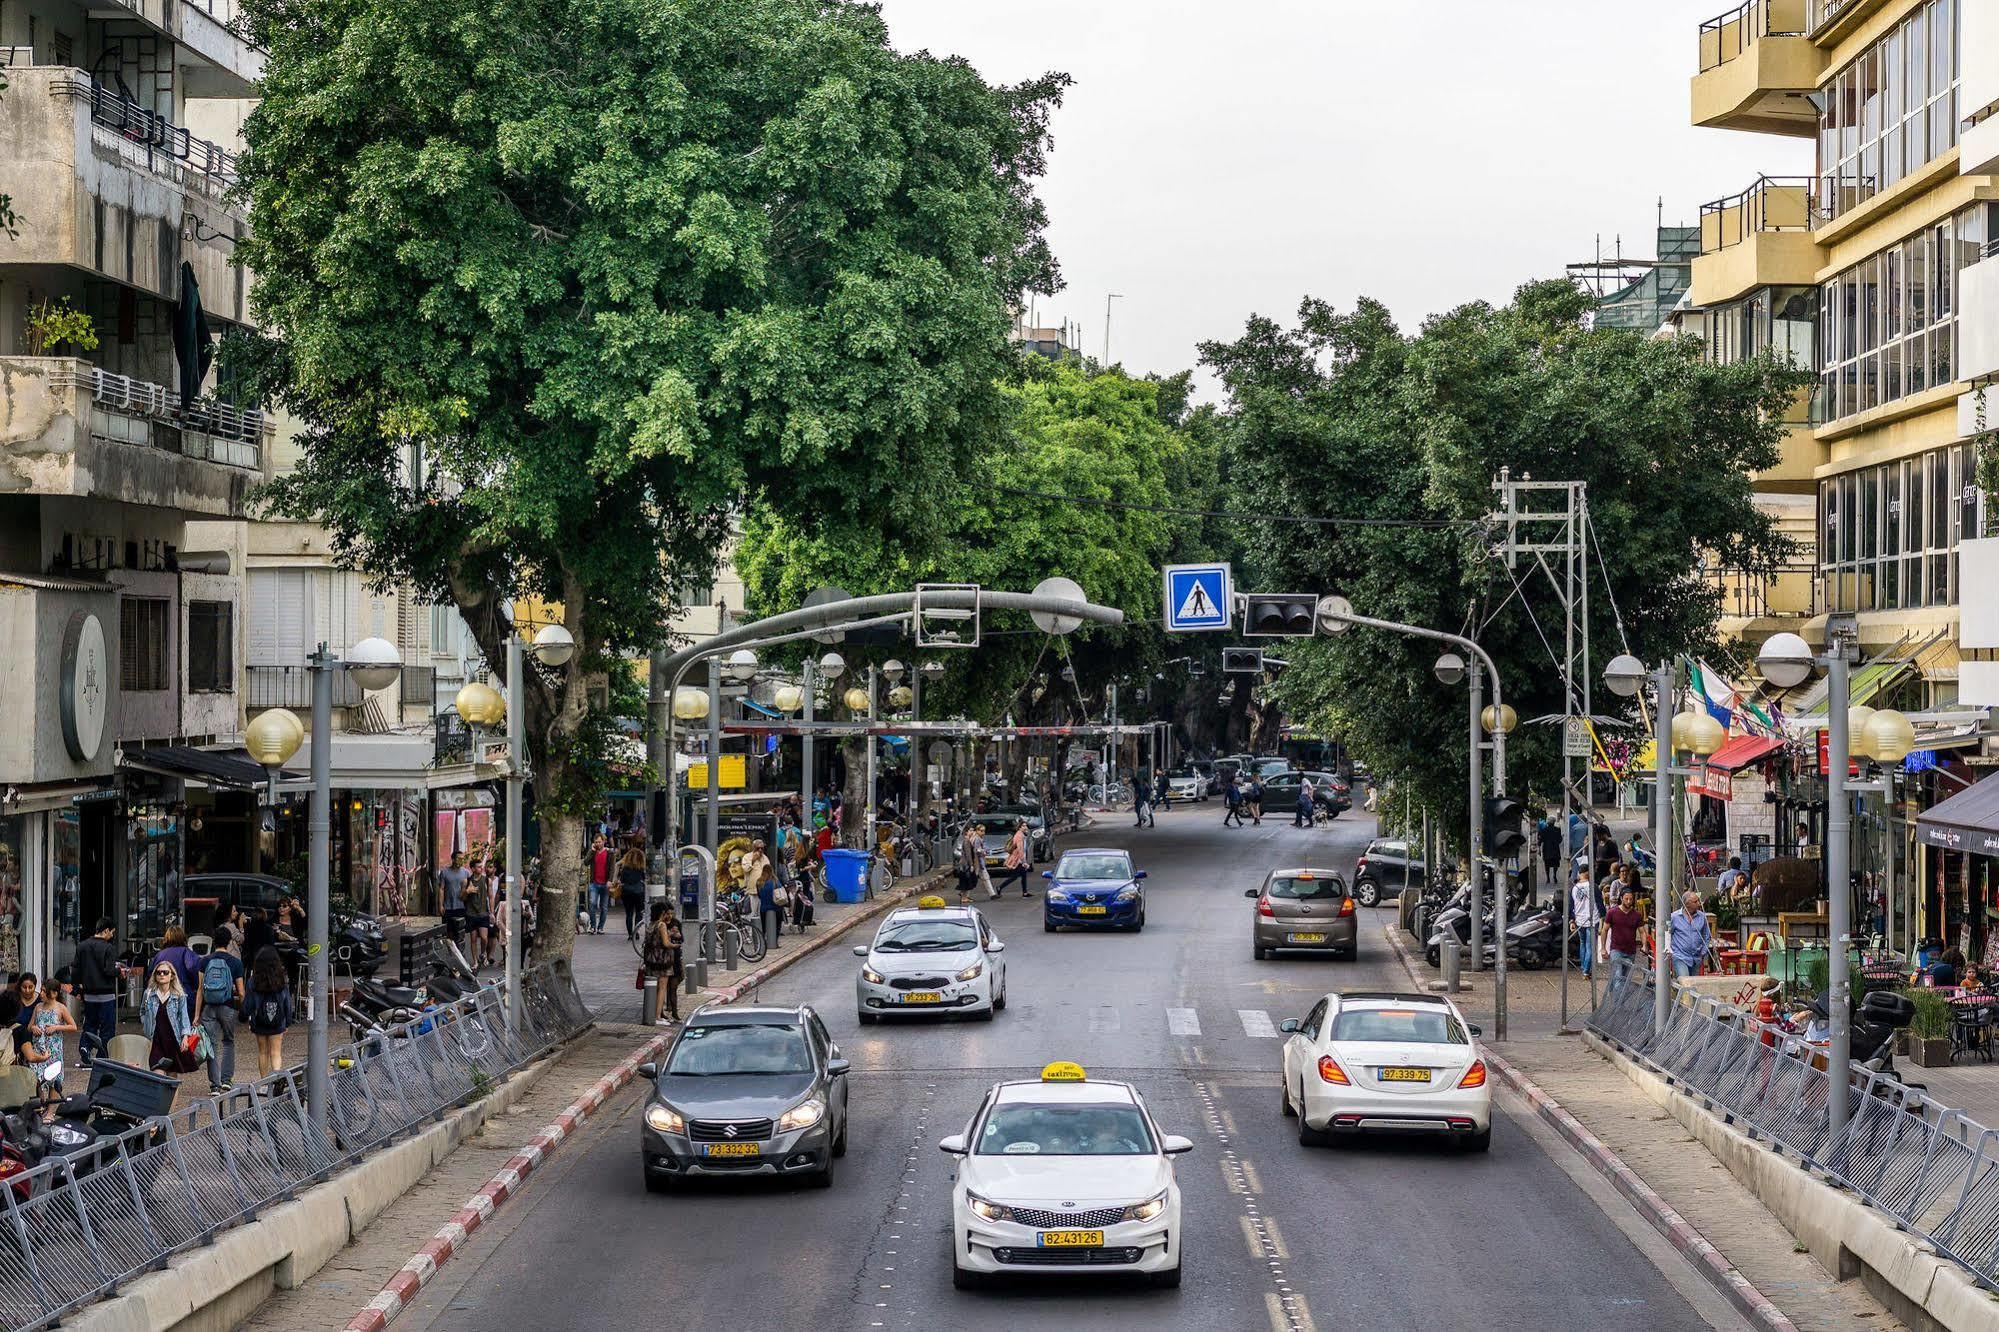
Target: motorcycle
(1534, 941)
(373, 1008)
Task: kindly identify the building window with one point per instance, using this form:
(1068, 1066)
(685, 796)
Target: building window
(1779, 319)
(211, 647)
(142, 633)
(1891, 111)
(1888, 534)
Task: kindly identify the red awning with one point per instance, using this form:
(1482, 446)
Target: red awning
(1743, 750)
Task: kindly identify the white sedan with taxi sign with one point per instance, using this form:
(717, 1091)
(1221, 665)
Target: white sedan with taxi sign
(931, 958)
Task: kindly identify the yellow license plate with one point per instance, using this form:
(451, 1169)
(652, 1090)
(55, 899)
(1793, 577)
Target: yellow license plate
(731, 1149)
(1405, 1075)
(1304, 938)
(1072, 1239)
(922, 997)
(1092, 911)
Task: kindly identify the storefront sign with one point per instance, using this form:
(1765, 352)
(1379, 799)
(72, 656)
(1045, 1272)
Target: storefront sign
(83, 685)
(1825, 759)
(732, 775)
(1716, 782)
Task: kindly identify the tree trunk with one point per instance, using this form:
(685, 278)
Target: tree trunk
(854, 794)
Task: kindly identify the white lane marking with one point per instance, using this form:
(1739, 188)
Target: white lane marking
(1256, 1022)
(1103, 1021)
(1183, 1022)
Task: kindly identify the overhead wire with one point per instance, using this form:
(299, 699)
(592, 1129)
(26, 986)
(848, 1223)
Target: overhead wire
(1175, 511)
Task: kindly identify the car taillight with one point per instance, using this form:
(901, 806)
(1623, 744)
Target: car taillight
(1474, 1076)
(1360, 865)
(1330, 1071)
(1346, 906)
(1263, 907)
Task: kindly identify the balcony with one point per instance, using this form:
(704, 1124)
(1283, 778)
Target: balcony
(1832, 20)
(1761, 237)
(1793, 592)
(1757, 69)
(291, 687)
(227, 63)
(1978, 320)
(104, 185)
(68, 428)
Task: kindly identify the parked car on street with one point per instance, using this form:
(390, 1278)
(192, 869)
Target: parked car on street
(1187, 785)
(1382, 870)
(1280, 791)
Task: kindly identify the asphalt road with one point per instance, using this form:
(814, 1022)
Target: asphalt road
(1394, 1235)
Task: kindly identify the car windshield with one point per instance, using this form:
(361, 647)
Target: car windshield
(1093, 867)
(1031, 1129)
(708, 1052)
(926, 936)
(1420, 1026)
(1312, 887)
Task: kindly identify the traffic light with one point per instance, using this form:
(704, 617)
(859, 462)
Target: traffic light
(1279, 614)
(1242, 661)
(1502, 833)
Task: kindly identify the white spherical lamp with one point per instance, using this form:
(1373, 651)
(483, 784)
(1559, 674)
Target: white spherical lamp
(554, 645)
(1785, 660)
(374, 663)
(1625, 675)
(743, 665)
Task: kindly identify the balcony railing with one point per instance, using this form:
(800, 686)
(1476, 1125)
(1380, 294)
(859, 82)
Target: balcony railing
(1795, 589)
(451, 739)
(1825, 11)
(123, 409)
(168, 147)
(1773, 203)
(291, 687)
(419, 686)
(1726, 36)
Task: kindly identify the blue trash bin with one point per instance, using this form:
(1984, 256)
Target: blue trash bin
(846, 874)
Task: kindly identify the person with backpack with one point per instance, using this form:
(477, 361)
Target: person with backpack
(221, 1001)
(268, 1006)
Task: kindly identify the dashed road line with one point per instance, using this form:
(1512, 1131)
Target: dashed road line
(1287, 1308)
(1183, 1022)
(1256, 1022)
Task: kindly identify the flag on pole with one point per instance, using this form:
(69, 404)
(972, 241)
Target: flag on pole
(1715, 692)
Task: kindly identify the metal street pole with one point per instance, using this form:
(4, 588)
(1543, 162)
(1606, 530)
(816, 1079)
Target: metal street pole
(806, 786)
(320, 825)
(868, 817)
(1665, 681)
(1476, 829)
(1839, 884)
(1502, 892)
(714, 764)
(915, 745)
(516, 757)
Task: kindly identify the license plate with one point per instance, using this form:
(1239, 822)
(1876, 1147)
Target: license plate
(1304, 938)
(922, 997)
(1405, 1075)
(1092, 910)
(731, 1149)
(1072, 1239)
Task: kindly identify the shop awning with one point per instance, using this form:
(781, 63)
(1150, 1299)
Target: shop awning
(1743, 750)
(231, 768)
(1968, 821)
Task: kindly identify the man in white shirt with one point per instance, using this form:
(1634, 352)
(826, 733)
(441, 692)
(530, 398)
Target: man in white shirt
(1583, 915)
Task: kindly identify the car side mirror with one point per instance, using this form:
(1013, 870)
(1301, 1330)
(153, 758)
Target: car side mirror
(953, 1145)
(860, 950)
(648, 1071)
(1139, 875)
(996, 947)
(1048, 874)
(1475, 1029)
(1174, 1145)
(1288, 1024)
(1251, 892)
(838, 1067)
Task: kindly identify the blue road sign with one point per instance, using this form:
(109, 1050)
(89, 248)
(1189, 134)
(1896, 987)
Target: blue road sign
(1198, 596)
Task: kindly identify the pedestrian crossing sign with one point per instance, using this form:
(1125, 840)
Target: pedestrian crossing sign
(1198, 596)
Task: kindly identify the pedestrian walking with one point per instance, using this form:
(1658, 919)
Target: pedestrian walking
(1692, 936)
(662, 962)
(1303, 817)
(479, 917)
(164, 1015)
(970, 861)
(451, 882)
(1255, 799)
(601, 866)
(1141, 803)
(1582, 917)
(1162, 792)
(1550, 834)
(632, 888)
(1233, 799)
(221, 998)
(1624, 921)
(803, 895)
(268, 1006)
(1016, 860)
(97, 975)
(41, 1032)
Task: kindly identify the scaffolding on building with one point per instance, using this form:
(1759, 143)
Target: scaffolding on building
(1640, 294)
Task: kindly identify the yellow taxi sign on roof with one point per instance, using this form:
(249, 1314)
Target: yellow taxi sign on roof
(1063, 1071)
(930, 902)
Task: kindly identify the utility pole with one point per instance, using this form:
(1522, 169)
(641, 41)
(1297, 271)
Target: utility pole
(1114, 296)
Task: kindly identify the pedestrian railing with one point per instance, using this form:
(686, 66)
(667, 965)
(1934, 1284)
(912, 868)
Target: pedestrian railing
(70, 1234)
(1930, 1169)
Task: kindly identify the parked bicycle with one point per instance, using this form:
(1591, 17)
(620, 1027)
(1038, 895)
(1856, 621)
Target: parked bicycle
(736, 914)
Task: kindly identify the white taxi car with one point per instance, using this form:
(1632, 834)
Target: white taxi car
(1386, 1063)
(931, 958)
(1064, 1175)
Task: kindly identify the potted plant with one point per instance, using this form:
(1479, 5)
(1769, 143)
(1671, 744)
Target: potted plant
(50, 327)
(1929, 1031)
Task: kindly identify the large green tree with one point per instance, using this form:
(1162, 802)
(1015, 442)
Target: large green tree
(558, 284)
(1345, 416)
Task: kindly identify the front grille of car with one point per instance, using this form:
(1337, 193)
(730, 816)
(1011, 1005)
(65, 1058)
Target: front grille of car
(918, 983)
(720, 1130)
(1117, 1257)
(1095, 1219)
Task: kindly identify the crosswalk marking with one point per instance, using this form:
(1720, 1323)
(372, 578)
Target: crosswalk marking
(1256, 1022)
(1183, 1022)
(1103, 1021)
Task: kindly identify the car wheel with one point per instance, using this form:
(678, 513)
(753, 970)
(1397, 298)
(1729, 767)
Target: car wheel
(658, 1183)
(1258, 952)
(865, 1017)
(1368, 893)
(822, 1179)
(1480, 1141)
(961, 1279)
(1284, 1090)
(985, 1014)
(1433, 955)
(999, 1001)
(1307, 1135)
(1167, 1280)
(1048, 925)
(840, 1143)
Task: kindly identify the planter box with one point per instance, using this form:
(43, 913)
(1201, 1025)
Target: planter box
(1930, 1052)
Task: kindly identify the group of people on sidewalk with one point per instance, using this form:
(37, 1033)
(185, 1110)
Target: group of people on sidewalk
(1605, 914)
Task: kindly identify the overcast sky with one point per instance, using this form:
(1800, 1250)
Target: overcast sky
(1218, 158)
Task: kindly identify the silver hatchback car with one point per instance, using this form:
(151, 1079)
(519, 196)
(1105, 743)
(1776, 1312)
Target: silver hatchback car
(1304, 909)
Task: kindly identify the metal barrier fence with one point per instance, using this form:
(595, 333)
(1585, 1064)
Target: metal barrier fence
(1930, 1169)
(71, 1235)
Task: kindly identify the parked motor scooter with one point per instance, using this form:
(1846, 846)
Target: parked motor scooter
(1535, 941)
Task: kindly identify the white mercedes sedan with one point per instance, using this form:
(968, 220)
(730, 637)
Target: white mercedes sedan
(1386, 1063)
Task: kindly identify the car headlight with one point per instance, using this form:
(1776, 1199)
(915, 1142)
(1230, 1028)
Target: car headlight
(803, 1115)
(1148, 1209)
(1057, 895)
(870, 975)
(1127, 893)
(990, 1211)
(972, 972)
(663, 1120)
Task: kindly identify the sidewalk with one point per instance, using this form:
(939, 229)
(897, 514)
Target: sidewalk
(1670, 1160)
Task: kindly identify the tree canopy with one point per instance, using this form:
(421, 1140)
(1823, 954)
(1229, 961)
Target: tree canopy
(557, 284)
(1345, 416)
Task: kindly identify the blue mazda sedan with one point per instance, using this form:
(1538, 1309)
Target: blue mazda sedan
(1094, 886)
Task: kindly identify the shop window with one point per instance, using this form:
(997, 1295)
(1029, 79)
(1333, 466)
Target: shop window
(211, 647)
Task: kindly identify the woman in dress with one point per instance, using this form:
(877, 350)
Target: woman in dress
(164, 1015)
(662, 962)
(268, 1007)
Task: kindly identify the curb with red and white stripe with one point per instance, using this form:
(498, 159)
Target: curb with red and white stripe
(417, 1273)
(1709, 1261)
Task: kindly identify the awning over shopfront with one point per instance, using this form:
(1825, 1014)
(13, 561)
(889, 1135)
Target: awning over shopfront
(1743, 750)
(232, 769)
(1968, 821)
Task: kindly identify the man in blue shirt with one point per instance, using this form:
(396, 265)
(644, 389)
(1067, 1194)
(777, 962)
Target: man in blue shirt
(1691, 936)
